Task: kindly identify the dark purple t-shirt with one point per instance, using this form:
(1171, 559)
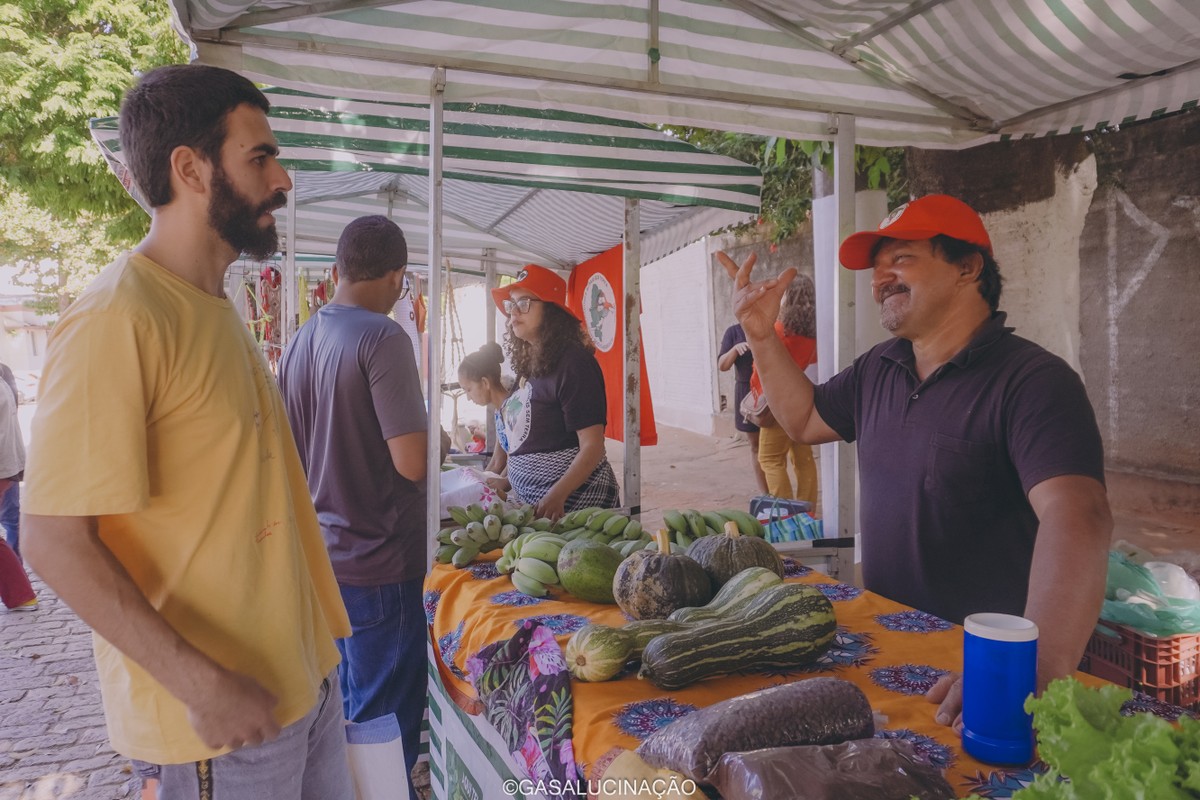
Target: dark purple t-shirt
(543, 415)
(350, 383)
(743, 365)
(945, 465)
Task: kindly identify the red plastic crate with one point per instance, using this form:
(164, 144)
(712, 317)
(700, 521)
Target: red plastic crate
(1166, 668)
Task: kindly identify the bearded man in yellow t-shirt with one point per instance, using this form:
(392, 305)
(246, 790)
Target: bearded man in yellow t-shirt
(165, 501)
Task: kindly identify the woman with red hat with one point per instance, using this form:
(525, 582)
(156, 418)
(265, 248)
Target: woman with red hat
(554, 419)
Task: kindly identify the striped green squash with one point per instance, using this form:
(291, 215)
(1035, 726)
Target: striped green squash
(785, 627)
(738, 592)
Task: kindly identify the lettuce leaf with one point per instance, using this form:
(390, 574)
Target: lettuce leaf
(1106, 756)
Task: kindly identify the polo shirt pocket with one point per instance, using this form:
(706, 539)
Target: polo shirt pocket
(959, 471)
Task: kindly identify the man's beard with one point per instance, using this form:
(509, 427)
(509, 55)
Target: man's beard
(236, 219)
(890, 317)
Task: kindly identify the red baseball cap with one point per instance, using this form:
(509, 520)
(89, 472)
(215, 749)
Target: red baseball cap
(542, 283)
(923, 218)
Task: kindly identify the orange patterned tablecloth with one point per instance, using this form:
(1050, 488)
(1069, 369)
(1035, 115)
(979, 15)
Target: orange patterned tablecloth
(892, 652)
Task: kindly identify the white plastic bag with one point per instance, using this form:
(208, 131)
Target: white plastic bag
(461, 487)
(377, 759)
(1174, 580)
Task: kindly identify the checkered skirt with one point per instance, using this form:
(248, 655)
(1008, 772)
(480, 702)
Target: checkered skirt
(532, 475)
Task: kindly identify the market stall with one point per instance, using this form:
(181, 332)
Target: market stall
(891, 652)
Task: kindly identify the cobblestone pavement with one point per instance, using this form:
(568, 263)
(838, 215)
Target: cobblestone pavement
(53, 744)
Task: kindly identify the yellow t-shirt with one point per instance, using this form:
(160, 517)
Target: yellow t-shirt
(157, 414)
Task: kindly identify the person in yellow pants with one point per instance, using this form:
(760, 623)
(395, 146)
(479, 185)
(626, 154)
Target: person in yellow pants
(796, 328)
(774, 448)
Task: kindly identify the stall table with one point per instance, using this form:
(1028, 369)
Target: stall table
(892, 652)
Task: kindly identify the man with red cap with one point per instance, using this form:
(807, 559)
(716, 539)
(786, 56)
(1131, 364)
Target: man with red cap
(980, 462)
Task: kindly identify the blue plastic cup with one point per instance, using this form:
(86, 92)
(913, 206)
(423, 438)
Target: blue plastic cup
(999, 673)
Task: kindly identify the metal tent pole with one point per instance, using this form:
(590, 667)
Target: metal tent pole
(288, 299)
(433, 380)
(633, 352)
(489, 283)
(840, 506)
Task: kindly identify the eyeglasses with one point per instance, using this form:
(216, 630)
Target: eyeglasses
(521, 305)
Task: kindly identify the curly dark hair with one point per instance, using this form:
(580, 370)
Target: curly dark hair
(798, 311)
(559, 331)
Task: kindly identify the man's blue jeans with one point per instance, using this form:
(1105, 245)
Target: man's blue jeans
(10, 517)
(383, 668)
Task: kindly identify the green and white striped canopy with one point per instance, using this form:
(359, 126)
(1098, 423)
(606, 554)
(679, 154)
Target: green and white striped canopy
(929, 73)
(535, 187)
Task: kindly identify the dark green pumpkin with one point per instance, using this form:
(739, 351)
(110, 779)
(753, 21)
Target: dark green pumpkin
(650, 584)
(724, 555)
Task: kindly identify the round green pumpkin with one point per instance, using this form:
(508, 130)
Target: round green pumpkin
(650, 585)
(724, 555)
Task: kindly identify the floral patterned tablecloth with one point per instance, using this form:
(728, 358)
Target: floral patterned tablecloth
(892, 652)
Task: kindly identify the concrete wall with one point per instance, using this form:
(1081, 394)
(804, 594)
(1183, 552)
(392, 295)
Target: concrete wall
(1140, 290)
(1097, 239)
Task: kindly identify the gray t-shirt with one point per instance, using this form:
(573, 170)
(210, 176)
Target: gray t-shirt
(350, 383)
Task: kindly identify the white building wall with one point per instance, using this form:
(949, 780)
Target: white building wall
(679, 338)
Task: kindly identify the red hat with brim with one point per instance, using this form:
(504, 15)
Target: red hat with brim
(923, 218)
(542, 283)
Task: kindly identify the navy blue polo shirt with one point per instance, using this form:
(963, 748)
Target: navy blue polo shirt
(945, 465)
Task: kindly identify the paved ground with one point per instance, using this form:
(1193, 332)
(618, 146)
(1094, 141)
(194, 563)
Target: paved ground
(52, 738)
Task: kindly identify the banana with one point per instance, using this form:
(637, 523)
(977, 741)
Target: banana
(633, 530)
(507, 533)
(542, 550)
(476, 532)
(596, 521)
(459, 515)
(573, 534)
(527, 515)
(747, 525)
(443, 536)
(491, 526)
(541, 524)
(527, 585)
(496, 507)
(714, 520)
(579, 518)
(445, 553)
(512, 517)
(504, 565)
(616, 525)
(460, 538)
(475, 512)
(464, 556)
(540, 571)
(695, 523)
(674, 520)
(683, 540)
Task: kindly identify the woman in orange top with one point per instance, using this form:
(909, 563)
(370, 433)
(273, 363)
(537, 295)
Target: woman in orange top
(797, 328)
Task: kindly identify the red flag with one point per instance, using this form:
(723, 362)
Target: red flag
(595, 294)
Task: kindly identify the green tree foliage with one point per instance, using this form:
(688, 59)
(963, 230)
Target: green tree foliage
(54, 259)
(787, 168)
(61, 63)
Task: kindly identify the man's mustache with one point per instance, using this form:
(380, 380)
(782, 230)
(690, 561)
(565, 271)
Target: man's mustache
(887, 291)
(278, 200)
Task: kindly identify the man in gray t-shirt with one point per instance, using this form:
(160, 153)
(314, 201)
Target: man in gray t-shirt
(353, 398)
